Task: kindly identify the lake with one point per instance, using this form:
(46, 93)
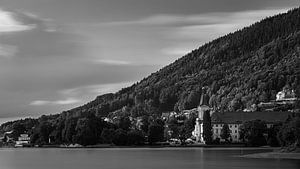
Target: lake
(138, 158)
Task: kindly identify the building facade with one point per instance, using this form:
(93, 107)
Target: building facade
(203, 106)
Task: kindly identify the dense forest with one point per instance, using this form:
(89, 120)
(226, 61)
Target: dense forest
(239, 69)
(242, 68)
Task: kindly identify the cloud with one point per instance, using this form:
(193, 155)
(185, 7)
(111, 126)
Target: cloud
(57, 102)
(83, 93)
(111, 62)
(15, 26)
(176, 51)
(198, 19)
(97, 89)
(197, 31)
(9, 23)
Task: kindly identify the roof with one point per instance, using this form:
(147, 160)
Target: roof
(204, 100)
(240, 117)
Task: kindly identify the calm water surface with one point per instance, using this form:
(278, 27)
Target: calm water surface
(140, 158)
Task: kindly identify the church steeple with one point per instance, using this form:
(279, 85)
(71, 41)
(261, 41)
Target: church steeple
(204, 100)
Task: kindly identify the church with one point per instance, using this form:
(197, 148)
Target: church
(203, 106)
(233, 119)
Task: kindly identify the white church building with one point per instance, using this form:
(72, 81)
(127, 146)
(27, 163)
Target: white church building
(233, 119)
(203, 106)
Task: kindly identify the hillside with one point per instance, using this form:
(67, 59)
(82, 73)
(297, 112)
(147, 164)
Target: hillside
(240, 69)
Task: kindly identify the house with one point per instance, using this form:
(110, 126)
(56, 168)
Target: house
(23, 140)
(285, 100)
(236, 119)
(286, 95)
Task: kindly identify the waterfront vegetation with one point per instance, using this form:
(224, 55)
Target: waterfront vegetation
(91, 130)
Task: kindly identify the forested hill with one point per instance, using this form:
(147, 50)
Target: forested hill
(242, 68)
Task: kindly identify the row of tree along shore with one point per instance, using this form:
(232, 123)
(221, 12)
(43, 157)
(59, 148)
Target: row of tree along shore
(89, 130)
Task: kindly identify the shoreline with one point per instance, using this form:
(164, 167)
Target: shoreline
(232, 146)
(274, 155)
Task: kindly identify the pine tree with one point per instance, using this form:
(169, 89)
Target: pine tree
(225, 132)
(207, 129)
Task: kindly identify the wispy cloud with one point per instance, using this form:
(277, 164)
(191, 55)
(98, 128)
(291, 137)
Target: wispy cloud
(177, 51)
(72, 95)
(198, 19)
(198, 30)
(95, 89)
(9, 23)
(111, 62)
(57, 102)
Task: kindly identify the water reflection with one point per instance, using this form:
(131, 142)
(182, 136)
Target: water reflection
(143, 158)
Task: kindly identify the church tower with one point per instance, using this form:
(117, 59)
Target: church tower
(203, 106)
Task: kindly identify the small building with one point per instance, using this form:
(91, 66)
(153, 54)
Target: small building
(23, 140)
(286, 95)
(285, 100)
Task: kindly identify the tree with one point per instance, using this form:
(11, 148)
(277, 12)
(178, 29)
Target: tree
(145, 124)
(85, 132)
(207, 128)
(18, 128)
(120, 137)
(225, 132)
(135, 137)
(185, 130)
(192, 100)
(107, 135)
(252, 132)
(289, 134)
(41, 133)
(69, 130)
(155, 133)
(124, 123)
(173, 127)
(272, 135)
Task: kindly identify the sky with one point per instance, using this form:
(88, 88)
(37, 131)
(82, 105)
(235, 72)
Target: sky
(59, 54)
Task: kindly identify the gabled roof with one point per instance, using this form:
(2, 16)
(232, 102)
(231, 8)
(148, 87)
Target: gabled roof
(240, 117)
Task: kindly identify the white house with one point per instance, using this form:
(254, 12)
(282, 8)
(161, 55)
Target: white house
(286, 95)
(24, 139)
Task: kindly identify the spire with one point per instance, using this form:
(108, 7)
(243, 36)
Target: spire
(204, 100)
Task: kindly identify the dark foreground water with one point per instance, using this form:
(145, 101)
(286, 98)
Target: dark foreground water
(140, 158)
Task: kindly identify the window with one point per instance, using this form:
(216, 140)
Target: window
(230, 126)
(235, 126)
(217, 131)
(217, 125)
(235, 131)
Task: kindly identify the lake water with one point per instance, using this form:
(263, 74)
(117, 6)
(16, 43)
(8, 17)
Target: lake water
(138, 158)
